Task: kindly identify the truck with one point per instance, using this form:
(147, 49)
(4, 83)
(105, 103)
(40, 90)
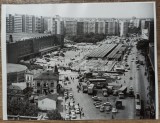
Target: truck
(91, 89)
(122, 91)
(118, 104)
(84, 87)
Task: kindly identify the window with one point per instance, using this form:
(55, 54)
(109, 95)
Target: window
(38, 91)
(38, 84)
(52, 84)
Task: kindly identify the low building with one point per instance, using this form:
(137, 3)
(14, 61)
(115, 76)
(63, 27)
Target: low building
(33, 47)
(44, 82)
(48, 102)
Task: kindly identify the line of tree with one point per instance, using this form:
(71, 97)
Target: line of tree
(87, 38)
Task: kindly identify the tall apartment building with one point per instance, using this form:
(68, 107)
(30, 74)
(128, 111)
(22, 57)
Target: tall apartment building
(143, 24)
(71, 27)
(19, 23)
(100, 27)
(91, 26)
(85, 27)
(37, 25)
(112, 27)
(52, 26)
(55, 25)
(124, 28)
(80, 28)
(136, 23)
(29, 23)
(9, 23)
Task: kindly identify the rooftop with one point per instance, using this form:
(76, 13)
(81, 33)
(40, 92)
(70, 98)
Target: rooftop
(22, 36)
(46, 75)
(11, 68)
(50, 96)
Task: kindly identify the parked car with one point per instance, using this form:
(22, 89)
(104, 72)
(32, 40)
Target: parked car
(77, 111)
(73, 115)
(105, 94)
(67, 116)
(97, 102)
(115, 93)
(96, 98)
(114, 110)
(101, 108)
(108, 108)
(107, 103)
(98, 106)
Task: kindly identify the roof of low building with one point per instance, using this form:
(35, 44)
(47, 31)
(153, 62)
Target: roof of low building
(50, 96)
(21, 85)
(11, 68)
(47, 75)
(14, 87)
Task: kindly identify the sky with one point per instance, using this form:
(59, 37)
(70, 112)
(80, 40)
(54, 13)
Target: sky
(99, 10)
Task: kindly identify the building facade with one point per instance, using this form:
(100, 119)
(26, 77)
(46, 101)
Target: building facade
(10, 23)
(71, 28)
(18, 23)
(28, 23)
(33, 47)
(124, 28)
(101, 28)
(91, 26)
(80, 28)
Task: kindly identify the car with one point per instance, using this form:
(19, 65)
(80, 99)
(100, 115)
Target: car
(77, 111)
(73, 115)
(118, 77)
(101, 108)
(107, 103)
(71, 104)
(99, 86)
(72, 111)
(67, 111)
(98, 106)
(67, 117)
(70, 95)
(108, 108)
(137, 96)
(96, 98)
(65, 83)
(115, 93)
(97, 103)
(105, 94)
(114, 110)
(76, 107)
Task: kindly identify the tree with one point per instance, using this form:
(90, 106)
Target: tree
(18, 106)
(143, 45)
(54, 115)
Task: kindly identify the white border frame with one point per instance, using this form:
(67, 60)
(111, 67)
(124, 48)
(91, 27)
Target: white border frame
(4, 65)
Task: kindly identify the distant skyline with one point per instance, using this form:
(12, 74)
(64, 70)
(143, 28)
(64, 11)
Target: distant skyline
(86, 10)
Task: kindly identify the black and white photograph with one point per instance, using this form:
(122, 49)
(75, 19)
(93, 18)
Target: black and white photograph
(79, 61)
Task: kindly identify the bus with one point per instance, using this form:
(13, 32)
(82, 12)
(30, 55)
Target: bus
(122, 91)
(90, 89)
